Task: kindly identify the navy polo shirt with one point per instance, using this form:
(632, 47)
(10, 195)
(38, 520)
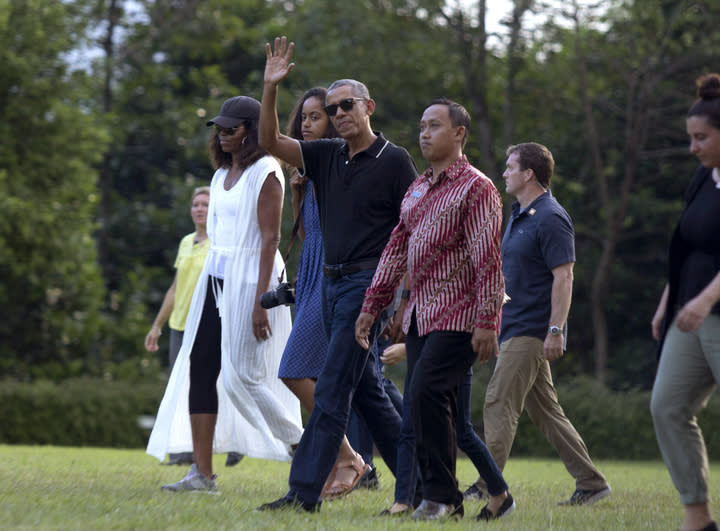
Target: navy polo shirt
(537, 240)
(359, 199)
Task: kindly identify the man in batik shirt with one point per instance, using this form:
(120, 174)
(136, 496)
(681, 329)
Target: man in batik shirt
(448, 242)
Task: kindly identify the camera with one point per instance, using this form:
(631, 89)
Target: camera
(283, 294)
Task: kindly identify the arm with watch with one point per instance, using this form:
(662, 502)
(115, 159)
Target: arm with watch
(561, 298)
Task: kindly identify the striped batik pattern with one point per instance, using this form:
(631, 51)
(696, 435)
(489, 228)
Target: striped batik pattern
(448, 240)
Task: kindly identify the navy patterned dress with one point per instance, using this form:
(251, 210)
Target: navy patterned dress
(306, 349)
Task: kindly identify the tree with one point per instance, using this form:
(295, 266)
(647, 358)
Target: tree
(51, 288)
(167, 65)
(626, 81)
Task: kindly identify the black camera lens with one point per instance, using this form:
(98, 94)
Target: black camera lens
(269, 300)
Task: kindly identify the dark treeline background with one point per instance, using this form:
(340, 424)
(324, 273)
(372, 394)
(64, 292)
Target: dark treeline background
(103, 106)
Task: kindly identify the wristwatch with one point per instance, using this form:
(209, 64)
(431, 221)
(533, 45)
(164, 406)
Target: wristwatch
(554, 330)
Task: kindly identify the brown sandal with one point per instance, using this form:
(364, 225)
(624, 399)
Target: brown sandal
(333, 490)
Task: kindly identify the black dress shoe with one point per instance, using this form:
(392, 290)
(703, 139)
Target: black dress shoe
(233, 458)
(184, 458)
(431, 510)
(505, 509)
(288, 502)
(369, 481)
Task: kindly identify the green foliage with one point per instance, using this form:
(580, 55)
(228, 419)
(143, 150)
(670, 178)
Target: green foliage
(331, 45)
(51, 288)
(105, 412)
(641, 63)
(613, 424)
(78, 412)
(171, 65)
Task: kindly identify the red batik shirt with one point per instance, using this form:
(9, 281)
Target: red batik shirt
(448, 240)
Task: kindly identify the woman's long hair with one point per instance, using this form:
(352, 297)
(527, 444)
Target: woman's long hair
(250, 152)
(294, 129)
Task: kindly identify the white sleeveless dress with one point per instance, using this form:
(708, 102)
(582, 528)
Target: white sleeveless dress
(257, 414)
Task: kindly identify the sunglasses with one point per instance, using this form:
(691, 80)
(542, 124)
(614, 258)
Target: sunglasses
(229, 131)
(345, 105)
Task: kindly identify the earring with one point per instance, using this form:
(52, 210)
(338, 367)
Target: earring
(244, 139)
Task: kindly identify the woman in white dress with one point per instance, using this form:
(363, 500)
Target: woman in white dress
(228, 333)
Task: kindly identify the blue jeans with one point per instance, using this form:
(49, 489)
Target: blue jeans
(470, 443)
(467, 440)
(348, 379)
(408, 474)
(357, 432)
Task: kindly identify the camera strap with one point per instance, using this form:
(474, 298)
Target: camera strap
(293, 235)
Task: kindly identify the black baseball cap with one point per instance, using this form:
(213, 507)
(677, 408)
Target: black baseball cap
(235, 111)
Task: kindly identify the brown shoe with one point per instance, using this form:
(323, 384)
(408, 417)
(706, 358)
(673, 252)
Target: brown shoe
(334, 489)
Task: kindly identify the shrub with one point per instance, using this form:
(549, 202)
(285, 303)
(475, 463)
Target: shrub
(78, 412)
(614, 425)
(97, 412)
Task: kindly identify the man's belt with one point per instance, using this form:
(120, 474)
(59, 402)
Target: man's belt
(334, 272)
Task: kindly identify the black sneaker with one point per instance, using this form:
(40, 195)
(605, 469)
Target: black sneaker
(369, 481)
(587, 497)
(184, 458)
(286, 502)
(505, 509)
(474, 492)
(233, 458)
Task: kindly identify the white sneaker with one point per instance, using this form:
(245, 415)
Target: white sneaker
(193, 481)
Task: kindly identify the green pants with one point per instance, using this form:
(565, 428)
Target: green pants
(687, 374)
(521, 380)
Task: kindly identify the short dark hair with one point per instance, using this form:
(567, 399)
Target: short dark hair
(294, 129)
(251, 150)
(536, 157)
(708, 102)
(458, 115)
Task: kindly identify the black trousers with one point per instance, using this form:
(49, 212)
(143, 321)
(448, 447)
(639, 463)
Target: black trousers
(441, 359)
(205, 356)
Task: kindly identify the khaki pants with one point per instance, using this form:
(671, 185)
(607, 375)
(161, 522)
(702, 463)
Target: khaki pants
(522, 379)
(686, 377)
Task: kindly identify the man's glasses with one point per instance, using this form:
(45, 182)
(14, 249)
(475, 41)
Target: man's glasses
(229, 131)
(345, 105)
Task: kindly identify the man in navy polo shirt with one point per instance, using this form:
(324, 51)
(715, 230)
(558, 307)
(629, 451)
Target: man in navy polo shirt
(538, 254)
(360, 181)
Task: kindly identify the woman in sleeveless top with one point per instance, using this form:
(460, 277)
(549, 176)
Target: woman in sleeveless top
(228, 333)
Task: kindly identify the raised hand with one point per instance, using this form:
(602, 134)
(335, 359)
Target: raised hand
(277, 65)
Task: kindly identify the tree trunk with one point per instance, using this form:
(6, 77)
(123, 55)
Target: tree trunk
(472, 47)
(613, 206)
(600, 275)
(519, 8)
(105, 179)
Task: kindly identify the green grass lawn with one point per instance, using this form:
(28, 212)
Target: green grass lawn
(89, 488)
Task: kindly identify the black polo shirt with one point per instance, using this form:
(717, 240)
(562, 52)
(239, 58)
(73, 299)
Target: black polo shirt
(537, 240)
(359, 199)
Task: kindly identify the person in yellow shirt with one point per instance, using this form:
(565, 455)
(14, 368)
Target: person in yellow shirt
(188, 264)
(176, 303)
